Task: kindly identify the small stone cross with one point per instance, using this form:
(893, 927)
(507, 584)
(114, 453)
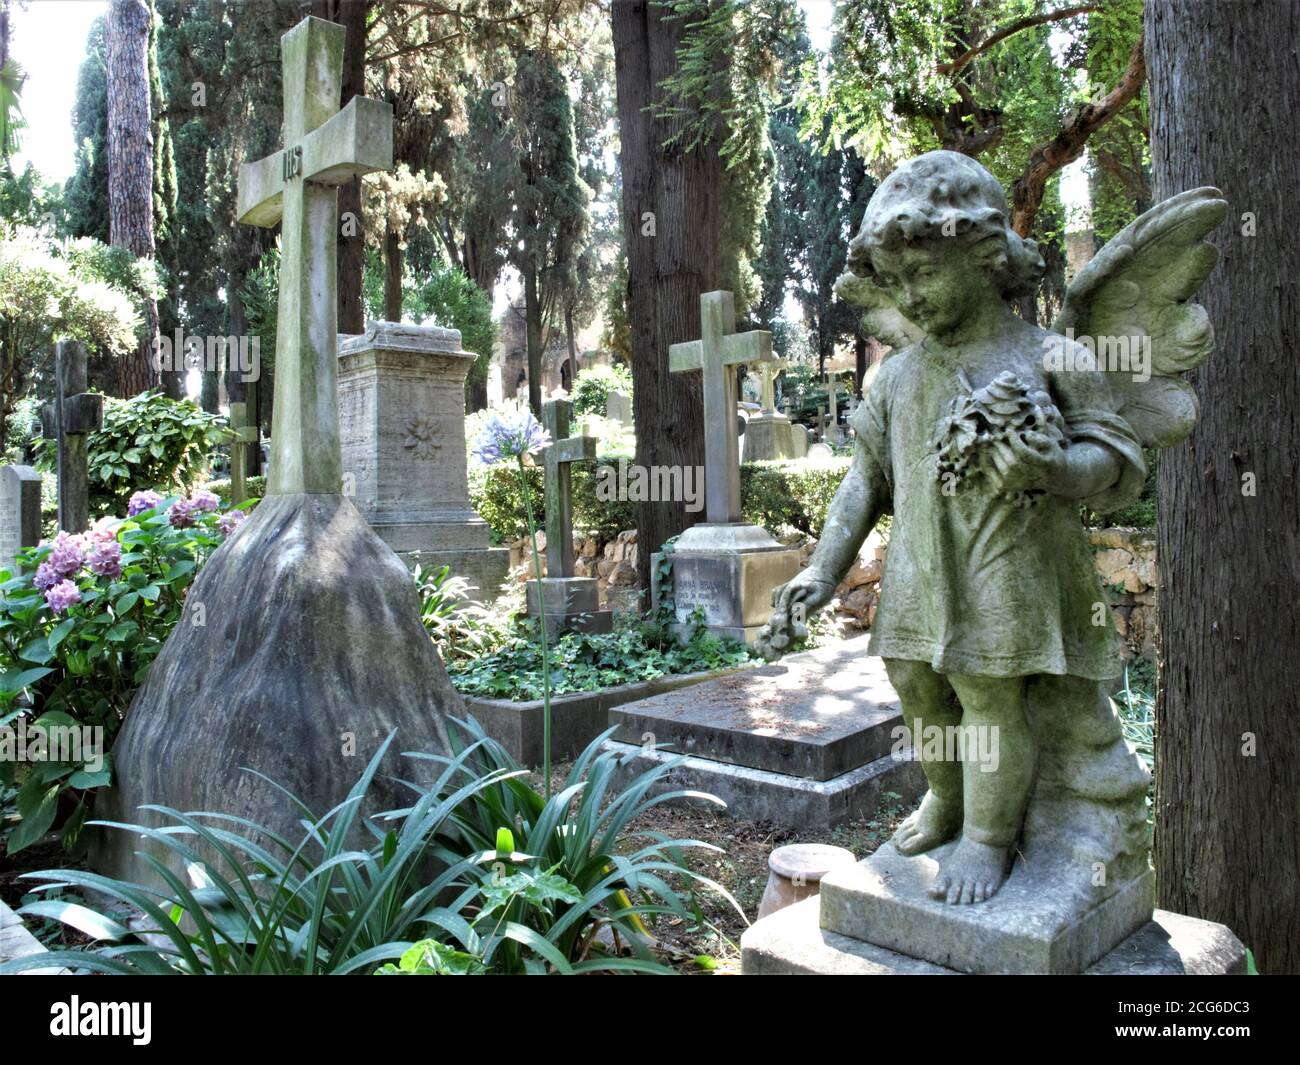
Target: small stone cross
(73, 415)
(564, 449)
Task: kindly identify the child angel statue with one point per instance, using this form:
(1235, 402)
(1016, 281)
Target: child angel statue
(983, 434)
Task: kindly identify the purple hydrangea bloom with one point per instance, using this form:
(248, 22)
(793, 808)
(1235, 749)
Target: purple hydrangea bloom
(204, 501)
(142, 501)
(512, 436)
(105, 559)
(62, 596)
(46, 577)
(181, 514)
(66, 554)
(230, 521)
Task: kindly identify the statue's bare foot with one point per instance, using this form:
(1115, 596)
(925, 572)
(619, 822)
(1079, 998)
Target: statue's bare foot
(973, 872)
(935, 821)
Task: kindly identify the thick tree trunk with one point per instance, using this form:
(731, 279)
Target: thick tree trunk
(351, 15)
(533, 334)
(130, 168)
(672, 203)
(1225, 111)
(392, 277)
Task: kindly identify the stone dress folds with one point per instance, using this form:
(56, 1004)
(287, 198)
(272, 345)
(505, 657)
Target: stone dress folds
(974, 583)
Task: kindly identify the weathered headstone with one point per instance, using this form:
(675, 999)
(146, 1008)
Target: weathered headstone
(618, 406)
(301, 648)
(725, 567)
(564, 601)
(833, 431)
(20, 511)
(244, 437)
(770, 434)
(401, 414)
(73, 415)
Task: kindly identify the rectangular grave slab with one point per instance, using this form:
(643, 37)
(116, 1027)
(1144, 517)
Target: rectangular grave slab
(815, 739)
(791, 942)
(1036, 924)
(20, 511)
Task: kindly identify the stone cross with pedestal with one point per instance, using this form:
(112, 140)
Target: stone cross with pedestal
(244, 437)
(769, 434)
(312, 653)
(565, 601)
(74, 414)
(401, 412)
(724, 567)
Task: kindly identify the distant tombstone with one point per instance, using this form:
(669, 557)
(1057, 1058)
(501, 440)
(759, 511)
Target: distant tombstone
(770, 434)
(244, 437)
(401, 401)
(618, 407)
(819, 452)
(833, 431)
(73, 414)
(565, 601)
(20, 511)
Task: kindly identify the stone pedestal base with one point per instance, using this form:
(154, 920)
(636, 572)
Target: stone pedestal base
(569, 604)
(1036, 924)
(792, 942)
(729, 571)
(769, 436)
(460, 541)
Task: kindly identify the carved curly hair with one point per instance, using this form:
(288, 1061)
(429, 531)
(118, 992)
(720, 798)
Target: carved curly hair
(937, 196)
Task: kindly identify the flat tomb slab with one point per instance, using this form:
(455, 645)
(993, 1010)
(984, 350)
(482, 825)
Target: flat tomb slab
(1038, 923)
(817, 715)
(761, 795)
(791, 942)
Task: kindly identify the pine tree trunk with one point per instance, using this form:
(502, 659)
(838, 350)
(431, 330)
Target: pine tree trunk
(351, 15)
(1225, 111)
(533, 333)
(672, 203)
(392, 277)
(130, 168)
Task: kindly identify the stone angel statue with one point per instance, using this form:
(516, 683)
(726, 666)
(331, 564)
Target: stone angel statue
(982, 434)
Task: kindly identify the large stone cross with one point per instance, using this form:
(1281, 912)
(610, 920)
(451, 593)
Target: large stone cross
(718, 349)
(73, 415)
(564, 449)
(324, 147)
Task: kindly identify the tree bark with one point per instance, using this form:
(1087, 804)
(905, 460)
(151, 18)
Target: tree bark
(351, 15)
(1225, 111)
(130, 168)
(533, 334)
(392, 276)
(672, 202)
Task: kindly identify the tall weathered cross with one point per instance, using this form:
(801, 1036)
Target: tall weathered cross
(324, 147)
(73, 415)
(564, 449)
(718, 349)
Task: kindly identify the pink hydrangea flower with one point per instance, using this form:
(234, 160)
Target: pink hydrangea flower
(66, 554)
(181, 514)
(46, 577)
(105, 559)
(142, 501)
(62, 596)
(205, 502)
(230, 521)
(104, 529)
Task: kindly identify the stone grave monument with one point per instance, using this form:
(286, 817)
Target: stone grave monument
(564, 601)
(1029, 852)
(245, 436)
(725, 566)
(769, 434)
(618, 407)
(20, 511)
(310, 651)
(401, 418)
(73, 415)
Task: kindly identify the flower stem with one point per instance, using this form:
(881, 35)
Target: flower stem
(541, 626)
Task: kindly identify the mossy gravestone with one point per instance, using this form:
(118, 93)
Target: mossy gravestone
(301, 646)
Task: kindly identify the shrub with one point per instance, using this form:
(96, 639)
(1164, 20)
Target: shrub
(495, 493)
(254, 486)
(461, 628)
(593, 385)
(81, 619)
(148, 441)
(446, 870)
(795, 495)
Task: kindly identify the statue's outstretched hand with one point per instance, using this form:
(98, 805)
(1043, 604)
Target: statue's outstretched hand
(791, 605)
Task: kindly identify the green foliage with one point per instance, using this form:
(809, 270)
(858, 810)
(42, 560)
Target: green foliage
(592, 386)
(254, 486)
(496, 494)
(789, 495)
(591, 661)
(437, 887)
(461, 628)
(81, 666)
(1136, 703)
(87, 189)
(146, 441)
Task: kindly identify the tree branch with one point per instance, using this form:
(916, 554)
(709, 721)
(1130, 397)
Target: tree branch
(1010, 30)
(1068, 145)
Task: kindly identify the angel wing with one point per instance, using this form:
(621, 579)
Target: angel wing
(881, 318)
(1139, 287)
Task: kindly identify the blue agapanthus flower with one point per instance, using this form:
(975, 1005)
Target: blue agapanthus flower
(509, 437)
